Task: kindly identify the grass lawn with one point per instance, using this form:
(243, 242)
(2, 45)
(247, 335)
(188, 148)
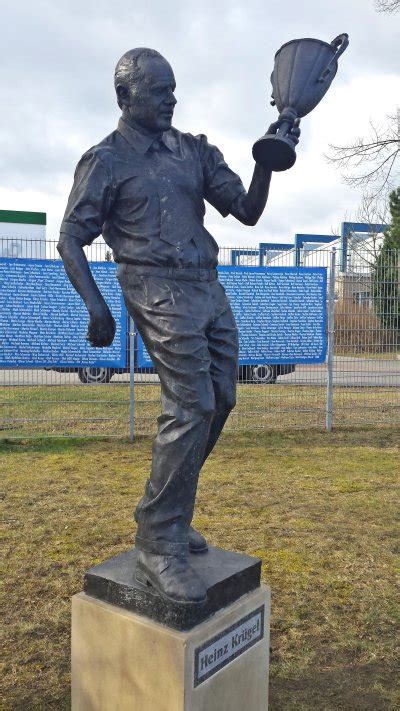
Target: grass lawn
(318, 509)
(91, 410)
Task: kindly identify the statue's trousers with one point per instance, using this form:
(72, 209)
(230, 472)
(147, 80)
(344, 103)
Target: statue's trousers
(189, 331)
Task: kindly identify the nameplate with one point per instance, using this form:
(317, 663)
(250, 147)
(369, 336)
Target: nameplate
(219, 651)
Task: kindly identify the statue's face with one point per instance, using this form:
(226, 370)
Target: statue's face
(151, 101)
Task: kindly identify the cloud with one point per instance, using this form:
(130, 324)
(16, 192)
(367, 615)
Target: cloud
(58, 97)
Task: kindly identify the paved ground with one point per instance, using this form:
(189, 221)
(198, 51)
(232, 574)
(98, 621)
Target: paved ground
(349, 372)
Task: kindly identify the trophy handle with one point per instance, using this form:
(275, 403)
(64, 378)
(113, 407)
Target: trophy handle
(340, 43)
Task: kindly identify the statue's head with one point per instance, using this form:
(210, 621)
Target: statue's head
(145, 85)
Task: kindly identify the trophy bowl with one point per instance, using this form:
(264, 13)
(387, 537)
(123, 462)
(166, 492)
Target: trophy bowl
(303, 72)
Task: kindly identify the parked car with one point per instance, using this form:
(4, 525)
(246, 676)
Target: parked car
(263, 374)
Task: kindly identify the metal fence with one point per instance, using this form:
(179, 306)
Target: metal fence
(357, 385)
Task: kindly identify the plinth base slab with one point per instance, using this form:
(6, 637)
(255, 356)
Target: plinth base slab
(227, 575)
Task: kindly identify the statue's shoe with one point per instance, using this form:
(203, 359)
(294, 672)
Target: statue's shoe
(197, 542)
(171, 576)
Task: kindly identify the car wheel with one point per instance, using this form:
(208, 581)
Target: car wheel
(266, 374)
(95, 376)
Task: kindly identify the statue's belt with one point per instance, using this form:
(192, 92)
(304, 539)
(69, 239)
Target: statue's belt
(172, 272)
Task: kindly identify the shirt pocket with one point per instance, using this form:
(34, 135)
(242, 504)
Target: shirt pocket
(137, 205)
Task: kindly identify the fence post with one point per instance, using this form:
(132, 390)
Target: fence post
(331, 339)
(131, 379)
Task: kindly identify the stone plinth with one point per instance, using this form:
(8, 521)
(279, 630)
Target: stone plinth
(122, 660)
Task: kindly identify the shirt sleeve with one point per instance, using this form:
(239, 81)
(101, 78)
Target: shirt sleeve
(221, 184)
(90, 199)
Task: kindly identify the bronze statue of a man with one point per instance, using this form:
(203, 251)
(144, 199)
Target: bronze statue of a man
(143, 188)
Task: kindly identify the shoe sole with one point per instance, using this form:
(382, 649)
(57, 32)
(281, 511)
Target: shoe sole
(145, 578)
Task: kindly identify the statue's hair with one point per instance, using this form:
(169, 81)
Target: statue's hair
(127, 72)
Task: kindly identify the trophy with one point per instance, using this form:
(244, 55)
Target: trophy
(303, 72)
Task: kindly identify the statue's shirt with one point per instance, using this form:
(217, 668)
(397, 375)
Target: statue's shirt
(146, 197)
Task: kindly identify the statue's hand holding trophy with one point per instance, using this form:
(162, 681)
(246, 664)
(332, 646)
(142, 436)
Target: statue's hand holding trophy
(287, 127)
(303, 72)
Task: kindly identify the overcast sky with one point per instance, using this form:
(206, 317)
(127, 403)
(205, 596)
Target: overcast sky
(57, 95)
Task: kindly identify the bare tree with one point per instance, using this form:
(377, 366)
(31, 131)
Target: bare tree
(372, 211)
(372, 162)
(387, 5)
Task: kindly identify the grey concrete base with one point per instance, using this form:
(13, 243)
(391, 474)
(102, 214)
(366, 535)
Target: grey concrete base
(124, 661)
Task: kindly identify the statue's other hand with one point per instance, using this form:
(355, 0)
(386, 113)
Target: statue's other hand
(274, 127)
(101, 328)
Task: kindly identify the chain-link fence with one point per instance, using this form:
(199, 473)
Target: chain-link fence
(357, 385)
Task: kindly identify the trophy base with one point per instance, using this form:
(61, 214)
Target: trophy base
(274, 153)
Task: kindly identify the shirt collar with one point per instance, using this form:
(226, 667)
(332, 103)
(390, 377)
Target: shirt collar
(140, 141)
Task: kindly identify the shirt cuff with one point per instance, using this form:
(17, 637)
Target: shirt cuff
(80, 233)
(234, 192)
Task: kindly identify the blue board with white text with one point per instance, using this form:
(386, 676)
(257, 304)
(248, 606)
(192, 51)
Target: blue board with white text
(280, 313)
(43, 321)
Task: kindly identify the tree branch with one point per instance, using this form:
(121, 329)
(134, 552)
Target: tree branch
(381, 151)
(387, 5)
